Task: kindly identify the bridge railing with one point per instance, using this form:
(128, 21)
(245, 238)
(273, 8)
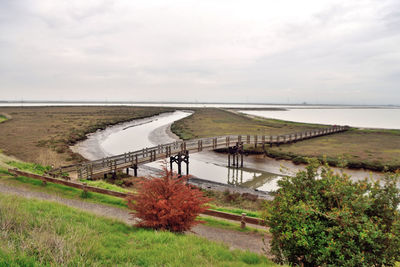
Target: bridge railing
(154, 153)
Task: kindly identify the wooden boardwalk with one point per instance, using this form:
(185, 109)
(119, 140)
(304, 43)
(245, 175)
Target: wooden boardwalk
(90, 169)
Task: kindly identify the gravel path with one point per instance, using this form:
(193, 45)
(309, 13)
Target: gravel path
(234, 239)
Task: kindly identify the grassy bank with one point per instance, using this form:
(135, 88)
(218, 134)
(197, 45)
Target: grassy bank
(37, 233)
(43, 134)
(369, 149)
(221, 201)
(209, 122)
(374, 150)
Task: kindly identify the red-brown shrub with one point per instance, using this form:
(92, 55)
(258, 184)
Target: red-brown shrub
(167, 203)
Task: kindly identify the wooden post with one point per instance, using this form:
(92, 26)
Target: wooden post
(243, 221)
(237, 160)
(135, 167)
(179, 167)
(85, 191)
(229, 159)
(187, 163)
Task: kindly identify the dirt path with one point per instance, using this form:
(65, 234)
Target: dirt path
(234, 239)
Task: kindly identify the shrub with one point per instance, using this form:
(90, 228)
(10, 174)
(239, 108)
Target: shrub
(321, 218)
(167, 203)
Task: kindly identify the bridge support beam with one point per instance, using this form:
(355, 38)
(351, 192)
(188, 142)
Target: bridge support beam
(236, 152)
(178, 159)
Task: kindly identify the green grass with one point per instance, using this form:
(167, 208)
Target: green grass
(249, 213)
(30, 167)
(37, 233)
(105, 185)
(65, 191)
(3, 118)
(224, 224)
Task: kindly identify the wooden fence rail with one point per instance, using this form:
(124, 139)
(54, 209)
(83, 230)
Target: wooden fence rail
(84, 187)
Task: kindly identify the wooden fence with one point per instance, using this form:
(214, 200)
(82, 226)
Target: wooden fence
(242, 218)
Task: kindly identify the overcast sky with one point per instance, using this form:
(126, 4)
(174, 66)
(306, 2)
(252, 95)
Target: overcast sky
(314, 51)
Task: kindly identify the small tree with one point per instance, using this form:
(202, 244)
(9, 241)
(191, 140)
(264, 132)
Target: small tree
(322, 218)
(167, 203)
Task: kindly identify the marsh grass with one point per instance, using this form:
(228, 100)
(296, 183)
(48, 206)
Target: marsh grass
(37, 233)
(209, 122)
(44, 134)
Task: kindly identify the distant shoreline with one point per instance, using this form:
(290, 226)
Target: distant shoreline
(26, 103)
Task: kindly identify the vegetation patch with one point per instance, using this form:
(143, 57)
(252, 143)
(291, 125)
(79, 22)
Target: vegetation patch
(3, 118)
(373, 150)
(167, 203)
(249, 213)
(232, 202)
(106, 185)
(322, 218)
(208, 122)
(224, 224)
(30, 167)
(65, 191)
(38, 233)
(43, 134)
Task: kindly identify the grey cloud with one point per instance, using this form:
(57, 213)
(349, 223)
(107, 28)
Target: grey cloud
(346, 51)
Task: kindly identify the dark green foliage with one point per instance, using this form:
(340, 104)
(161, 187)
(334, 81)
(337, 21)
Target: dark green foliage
(322, 218)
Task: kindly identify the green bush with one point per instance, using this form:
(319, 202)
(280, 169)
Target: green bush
(322, 218)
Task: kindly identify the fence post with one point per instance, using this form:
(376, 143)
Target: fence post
(85, 191)
(243, 221)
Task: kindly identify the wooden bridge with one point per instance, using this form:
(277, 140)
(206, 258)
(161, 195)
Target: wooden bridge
(178, 152)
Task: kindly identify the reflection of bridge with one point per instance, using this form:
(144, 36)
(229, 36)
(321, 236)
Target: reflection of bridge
(178, 152)
(256, 178)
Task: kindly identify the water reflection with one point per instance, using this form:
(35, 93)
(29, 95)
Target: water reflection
(251, 178)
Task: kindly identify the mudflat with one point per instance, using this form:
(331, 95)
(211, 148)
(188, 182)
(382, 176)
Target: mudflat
(43, 134)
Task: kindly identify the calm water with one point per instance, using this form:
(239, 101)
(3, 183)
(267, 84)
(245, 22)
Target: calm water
(357, 117)
(260, 172)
